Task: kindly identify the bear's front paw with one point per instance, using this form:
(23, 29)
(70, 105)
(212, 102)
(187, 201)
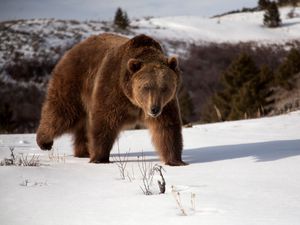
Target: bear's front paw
(99, 160)
(176, 163)
(43, 142)
(46, 146)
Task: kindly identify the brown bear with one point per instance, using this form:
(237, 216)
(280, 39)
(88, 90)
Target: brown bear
(106, 83)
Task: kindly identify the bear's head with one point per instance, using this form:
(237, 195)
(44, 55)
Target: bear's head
(152, 84)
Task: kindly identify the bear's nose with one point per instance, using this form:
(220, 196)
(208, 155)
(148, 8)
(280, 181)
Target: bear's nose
(155, 110)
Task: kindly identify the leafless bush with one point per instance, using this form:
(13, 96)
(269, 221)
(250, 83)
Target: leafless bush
(121, 162)
(56, 157)
(20, 160)
(147, 172)
(29, 160)
(9, 161)
(131, 175)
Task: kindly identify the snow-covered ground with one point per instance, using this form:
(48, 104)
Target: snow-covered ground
(242, 172)
(233, 28)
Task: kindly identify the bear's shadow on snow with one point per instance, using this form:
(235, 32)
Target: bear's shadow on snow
(261, 152)
(145, 156)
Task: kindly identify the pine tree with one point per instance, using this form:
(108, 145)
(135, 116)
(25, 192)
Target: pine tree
(121, 19)
(237, 96)
(272, 16)
(263, 4)
(246, 92)
(262, 86)
(288, 69)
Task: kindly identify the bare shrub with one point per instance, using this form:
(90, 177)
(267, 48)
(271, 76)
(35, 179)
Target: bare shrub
(121, 162)
(9, 161)
(54, 156)
(20, 160)
(147, 172)
(29, 160)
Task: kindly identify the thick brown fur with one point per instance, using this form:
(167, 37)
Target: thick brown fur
(108, 82)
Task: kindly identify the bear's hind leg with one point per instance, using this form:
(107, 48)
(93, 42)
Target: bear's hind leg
(55, 120)
(80, 140)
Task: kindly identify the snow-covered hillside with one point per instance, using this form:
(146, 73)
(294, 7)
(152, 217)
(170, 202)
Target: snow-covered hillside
(46, 38)
(233, 28)
(242, 172)
(95, 9)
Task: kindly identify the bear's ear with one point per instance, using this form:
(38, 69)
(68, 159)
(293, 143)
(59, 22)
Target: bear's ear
(134, 65)
(173, 63)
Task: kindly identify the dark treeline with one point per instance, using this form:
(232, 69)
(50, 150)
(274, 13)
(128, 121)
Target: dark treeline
(238, 80)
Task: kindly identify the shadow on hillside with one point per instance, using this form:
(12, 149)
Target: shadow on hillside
(289, 24)
(261, 152)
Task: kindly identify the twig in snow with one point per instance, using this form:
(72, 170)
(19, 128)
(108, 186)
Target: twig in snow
(147, 172)
(161, 184)
(121, 162)
(25, 161)
(176, 195)
(193, 201)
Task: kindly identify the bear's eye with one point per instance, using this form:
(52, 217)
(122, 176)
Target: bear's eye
(146, 88)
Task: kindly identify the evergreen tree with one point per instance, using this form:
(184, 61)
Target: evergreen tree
(236, 96)
(245, 90)
(272, 16)
(261, 85)
(288, 69)
(121, 19)
(263, 4)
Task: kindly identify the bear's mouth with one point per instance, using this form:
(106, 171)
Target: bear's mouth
(154, 115)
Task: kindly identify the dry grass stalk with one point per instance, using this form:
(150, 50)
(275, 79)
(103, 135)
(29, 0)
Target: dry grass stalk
(176, 195)
(218, 113)
(193, 201)
(147, 172)
(56, 157)
(121, 162)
